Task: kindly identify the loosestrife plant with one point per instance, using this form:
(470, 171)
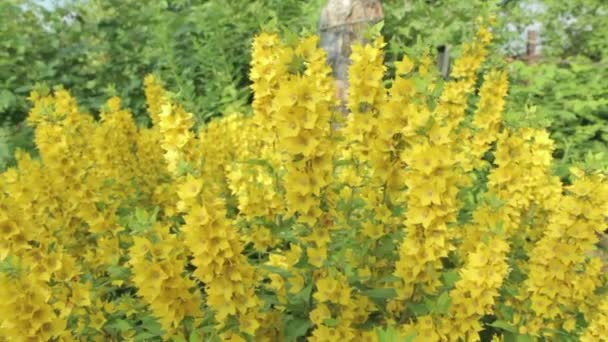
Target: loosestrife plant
(417, 216)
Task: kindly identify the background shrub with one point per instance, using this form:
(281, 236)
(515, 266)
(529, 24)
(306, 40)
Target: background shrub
(201, 49)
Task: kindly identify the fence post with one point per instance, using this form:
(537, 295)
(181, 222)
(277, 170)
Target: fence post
(342, 24)
(531, 44)
(443, 60)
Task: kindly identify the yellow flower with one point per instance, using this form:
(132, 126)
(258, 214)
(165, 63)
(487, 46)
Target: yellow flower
(404, 66)
(316, 255)
(189, 189)
(319, 314)
(327, 289)
(249, 324)
(296, 283)
(97, 321)
(373, 230)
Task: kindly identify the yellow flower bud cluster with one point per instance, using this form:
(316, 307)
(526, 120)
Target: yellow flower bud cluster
(434, 175)
(302, 112)
(155, 98)
(598, 327)
(338, 310)
(269, 66)
(175, 125)
(28, 315)
(217, 255)
(487, 117)
(453, 100)
(366, 94)
(524, 155)
(158, 269)
(555, 286)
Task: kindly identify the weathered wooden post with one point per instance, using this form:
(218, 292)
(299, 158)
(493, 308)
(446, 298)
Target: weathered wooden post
(443, 60)
(531, 44)
(342, 24)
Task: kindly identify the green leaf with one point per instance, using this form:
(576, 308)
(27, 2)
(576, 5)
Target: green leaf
(284, 273)
(450, 278)
(195, 337)
(504, 325)
(144, 336)
(389, 279)
(419, 309)
(117, 272)
(11, 266)
(304, 295)
(7, 100)
(381, 293)
(120, 325)
(331, 322)
(411, 337)
(390, 335)
(443, 303)
(524, 338)
(151, 325)
(296, 327)
(373, 31)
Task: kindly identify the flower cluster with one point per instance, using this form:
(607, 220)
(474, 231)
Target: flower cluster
(302, 110)
(434, 175)
(158, 269)
(598, 328)
(32, 317)
(562, 279)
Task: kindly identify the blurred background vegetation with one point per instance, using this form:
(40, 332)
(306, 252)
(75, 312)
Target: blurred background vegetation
(200, 49)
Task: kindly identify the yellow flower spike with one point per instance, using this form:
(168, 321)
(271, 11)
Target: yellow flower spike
(216, 249)
(484, 35)
(37, 318)
(574, 234)
(157, 274)
(155, 95)
(175, 125)
(598, 327)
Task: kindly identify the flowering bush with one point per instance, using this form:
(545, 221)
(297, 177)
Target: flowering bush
(419, 216)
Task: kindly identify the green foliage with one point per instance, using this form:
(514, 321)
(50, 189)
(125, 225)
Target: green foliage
(97, 49)
(14, 137)
(25, 54)
(436, 21)
(100, 48)
(391, 335)
(201, 50)
(571, 99)
(575, 28)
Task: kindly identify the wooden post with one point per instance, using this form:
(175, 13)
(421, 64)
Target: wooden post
(342, 24)
(531, 45)
(443, 60)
